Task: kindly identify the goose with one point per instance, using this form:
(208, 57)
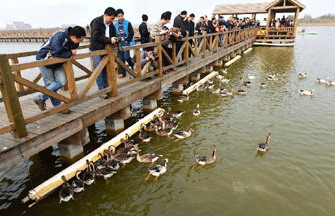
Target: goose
(263, 85)
(150, 128)
(225, 72)
(144, 137)
(263, 147)
(306, 93)
(241, 92)
(184, 134)
(66, 193)
(226, 93)
(201, 87)
(224, 80)
(245, 83)
(147, 158)
(158, 170)
(251, 77)
(89, 174)
(170, 125)
(210, 82)
(78, 184)
(163, 132)
(272, 77)
(210, 86)
(331, 83)
(101, 163)
(105, 172)
(302, 75)
(183, 98)
(220, 77)
(112, 162)
(219, 91)
(196, 112)
(124, 155)
(205, 160)
(176, 114)
(325, 81)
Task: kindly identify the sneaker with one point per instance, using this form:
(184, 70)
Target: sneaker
(40, 104)
(104, 96)
(67, 111)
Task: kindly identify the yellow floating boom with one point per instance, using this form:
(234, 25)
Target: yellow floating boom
(51, 184)
(232, 61)
(190, 89)
(247, 51)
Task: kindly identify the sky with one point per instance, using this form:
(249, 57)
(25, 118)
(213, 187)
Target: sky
(46, 14)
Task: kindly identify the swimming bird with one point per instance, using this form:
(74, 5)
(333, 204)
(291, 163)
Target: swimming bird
(196, 112)
(273, 77)
(184, 134)
(183, 98)
(101, 163)
(302, 75)
(226, 93)
(224, 80)
(306, 93)
(263, 84)
(220, 77)
(205, 160)
(331, 83)
(78, 183)
(201, 87)
(163, 132)
(245, 83)
(147, 158)
(210, 82)
(66, 193)
(143, 136)
(158, 170)
(241, 92)
(263, 147)
(89, 174)
(251, 77)
(324, 81)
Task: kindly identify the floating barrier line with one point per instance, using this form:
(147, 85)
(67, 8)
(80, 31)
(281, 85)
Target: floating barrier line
(51, 184)
(232, 61)
(248, 51)
(193, 87)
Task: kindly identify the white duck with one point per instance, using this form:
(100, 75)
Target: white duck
(331, 83)
(196, 112)
(306, 93)
(272, 77)
(251, 77)
(302, 75)
(322, 81)
(158, 170)
(184, 134)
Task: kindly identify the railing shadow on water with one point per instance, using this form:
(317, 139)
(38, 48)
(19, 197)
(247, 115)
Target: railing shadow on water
(13, 86)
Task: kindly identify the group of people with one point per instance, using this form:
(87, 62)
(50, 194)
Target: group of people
(281, 23)
(105, 30)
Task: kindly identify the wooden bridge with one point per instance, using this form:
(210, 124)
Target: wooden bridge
(25, 130)
(32, 35)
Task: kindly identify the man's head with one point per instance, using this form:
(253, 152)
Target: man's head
(144, 17)
(77, 34)
(120, 15)
(109, 15)
(165, 18)
(206, 18)
(191, 17)
(169, 14)
(149, 50)
(183, 14)
(202, 19)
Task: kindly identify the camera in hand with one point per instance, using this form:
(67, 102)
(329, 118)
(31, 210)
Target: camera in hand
(155, 56)
(118, 42)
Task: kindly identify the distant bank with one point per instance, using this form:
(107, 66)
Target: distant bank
(316, 24)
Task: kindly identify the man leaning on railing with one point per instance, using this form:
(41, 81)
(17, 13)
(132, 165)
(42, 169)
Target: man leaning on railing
(62, 44)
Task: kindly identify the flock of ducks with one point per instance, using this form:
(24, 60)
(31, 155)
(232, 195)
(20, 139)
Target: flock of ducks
(326, 81)
(112, 159)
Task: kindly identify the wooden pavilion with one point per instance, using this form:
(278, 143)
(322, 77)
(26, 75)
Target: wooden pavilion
(267, 35)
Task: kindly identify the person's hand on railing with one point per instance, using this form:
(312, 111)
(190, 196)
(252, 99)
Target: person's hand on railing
(113, 40)
(74, 51)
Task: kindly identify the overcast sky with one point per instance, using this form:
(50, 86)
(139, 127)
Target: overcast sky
(46, 13)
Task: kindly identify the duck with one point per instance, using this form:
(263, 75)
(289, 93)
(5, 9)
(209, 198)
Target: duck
(226, 93)
(251, 77)
(324, 81)
(158, 170)
(331, 83)
(105, 172)
(263, 85)
(89, 174)
(147, 158)
(101, 163)
(219, 91)
(225, 72)
(201, 87)
(183, 98)
(210, 86)
(196, 112)
(184, 134)
(241, 92)
(220, 77)
(272, 77)
(170, 125)
(78, 183)
(210, 82)
(112, 162)
(245, 83)
(205, 160)
(306, 93)
(149, 128)
(176, 114)
(224, 81)
(163, 132)
(144, 137)
(263, 147)
(66, 193)
(302, 75)
(124, 155)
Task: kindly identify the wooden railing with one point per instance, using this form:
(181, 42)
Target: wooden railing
(277, 33)
(11, 69)
(32, 33)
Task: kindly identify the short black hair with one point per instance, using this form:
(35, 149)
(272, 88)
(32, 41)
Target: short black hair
(77, 31)
(169, 14)
(110, 11)
(165, 16)
(149, 49)
(145, 17)
(183, 12)
(119, 11)
(192, 15)
(202, 17)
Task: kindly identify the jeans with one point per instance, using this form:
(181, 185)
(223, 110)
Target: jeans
(102, 80)
(125, 57)
(54, 79)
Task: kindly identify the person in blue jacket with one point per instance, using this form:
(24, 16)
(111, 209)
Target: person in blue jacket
(125, 36)
(62, 44)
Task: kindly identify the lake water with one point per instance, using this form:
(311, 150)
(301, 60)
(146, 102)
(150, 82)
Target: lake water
(295, 177)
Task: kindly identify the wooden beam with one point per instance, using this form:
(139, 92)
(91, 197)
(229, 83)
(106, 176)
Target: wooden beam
(82, 67)
(19, 86)
(160, 56)
(112, 73)
(138, 62)
(124, 66)
(11, 99)
(71, 82)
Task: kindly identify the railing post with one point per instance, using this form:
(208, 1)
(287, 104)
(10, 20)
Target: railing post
(186, 50)
(138, 62)
(160, 56)
(211, 43)
(174, 50)
(204, 44)
(111, 71)
(71, 82)
(195, 46)
(19, 86)
(217, 42)
(11, 99)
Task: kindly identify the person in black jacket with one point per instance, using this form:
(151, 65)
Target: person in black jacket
(210, 25)
(62, 44)
(190, 27)
(178, 22)
(102, 33)
(143, 29)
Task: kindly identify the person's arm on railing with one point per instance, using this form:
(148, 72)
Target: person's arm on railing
(56, 50)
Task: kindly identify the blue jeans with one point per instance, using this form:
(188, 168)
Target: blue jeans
(102, 80)
(125, 56)
(54, 79)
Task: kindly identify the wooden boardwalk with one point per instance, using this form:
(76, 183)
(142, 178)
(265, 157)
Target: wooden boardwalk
(43, 129)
